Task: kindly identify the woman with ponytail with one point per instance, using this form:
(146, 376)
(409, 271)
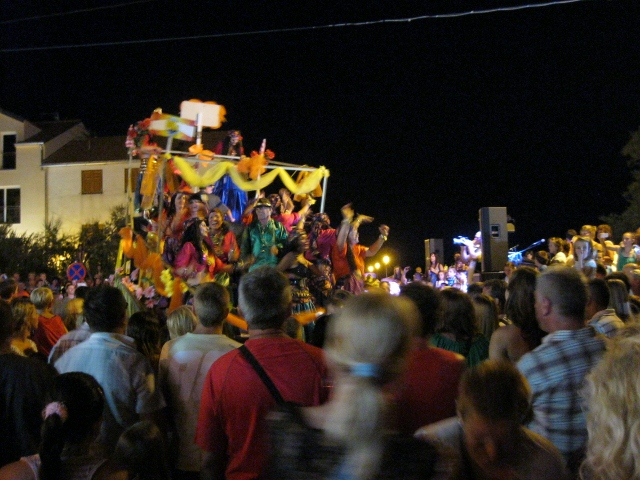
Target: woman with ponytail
(351, 437)
(72, 419)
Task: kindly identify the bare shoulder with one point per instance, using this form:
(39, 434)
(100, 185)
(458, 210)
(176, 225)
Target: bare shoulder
(17, 471)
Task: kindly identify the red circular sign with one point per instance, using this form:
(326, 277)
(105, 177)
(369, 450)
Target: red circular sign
(76, 271)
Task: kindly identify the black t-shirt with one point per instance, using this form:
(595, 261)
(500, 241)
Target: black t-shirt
(24, 383)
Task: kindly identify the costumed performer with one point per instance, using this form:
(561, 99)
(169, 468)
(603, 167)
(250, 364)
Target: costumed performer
(230, 194)
(196, 263)
(263, 239)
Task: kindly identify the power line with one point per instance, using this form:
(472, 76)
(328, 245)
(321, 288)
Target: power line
(72, 12)
(292, 29)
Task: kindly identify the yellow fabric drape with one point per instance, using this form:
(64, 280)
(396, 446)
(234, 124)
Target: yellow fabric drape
(216, 172)
(149, 182)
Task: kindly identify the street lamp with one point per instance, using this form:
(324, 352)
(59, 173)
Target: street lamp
(370, 268)
(385, 259)
(377, 265)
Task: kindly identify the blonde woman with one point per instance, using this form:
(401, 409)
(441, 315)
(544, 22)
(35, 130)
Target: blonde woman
(181, 321)
(613, 413)
(50, 326)
(349, 436)
(25, 319)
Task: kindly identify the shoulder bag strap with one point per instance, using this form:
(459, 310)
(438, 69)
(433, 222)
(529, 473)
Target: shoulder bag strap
(262, 374)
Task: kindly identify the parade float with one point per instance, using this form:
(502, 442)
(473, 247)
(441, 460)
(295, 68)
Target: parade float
(140, 271)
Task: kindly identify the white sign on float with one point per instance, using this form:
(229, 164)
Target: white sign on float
(211, 114)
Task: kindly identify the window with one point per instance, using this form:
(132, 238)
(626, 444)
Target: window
(133, 180)
(9, 205)
(9, 151)
(91, 182)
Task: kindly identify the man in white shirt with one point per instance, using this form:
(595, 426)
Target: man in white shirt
(125, 375)
(184, 363)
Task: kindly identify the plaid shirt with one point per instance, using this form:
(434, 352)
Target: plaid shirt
(556, 370)
(607, 322)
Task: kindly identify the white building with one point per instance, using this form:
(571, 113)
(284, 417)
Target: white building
(55, 170)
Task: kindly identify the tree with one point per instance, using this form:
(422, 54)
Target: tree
(98, 242)
(52, 251)
(629, 220)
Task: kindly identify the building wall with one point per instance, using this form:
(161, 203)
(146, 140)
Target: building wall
(67, 203)
(29, 177)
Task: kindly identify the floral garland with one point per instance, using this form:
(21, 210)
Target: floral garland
(139, 139)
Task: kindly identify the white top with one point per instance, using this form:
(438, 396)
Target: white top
(184, 364)
(125, 375)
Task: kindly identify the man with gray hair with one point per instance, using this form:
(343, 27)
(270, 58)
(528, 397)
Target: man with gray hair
(183, 368)
(235, 397)
(556, 369)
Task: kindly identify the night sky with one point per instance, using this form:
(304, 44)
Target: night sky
(421, 123)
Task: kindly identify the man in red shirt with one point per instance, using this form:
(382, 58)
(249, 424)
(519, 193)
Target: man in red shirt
(235, 400)
(428, 388)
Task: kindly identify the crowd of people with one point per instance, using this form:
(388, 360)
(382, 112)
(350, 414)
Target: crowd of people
(533, 375)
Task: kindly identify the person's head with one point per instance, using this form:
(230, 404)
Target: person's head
(456, 315)
(141, 451)
(105, 309)
(8, 289)
(72, 415)
(561, 298)
(493, 402)
(433, 259)
(583, 248)
(25, 316)
(541, 258)
(216, 220)
(613, 410)
(555, 245)
(386, 286)
(588, 231)
(337, 300)
(496, 288)
(298, 241)
(264, 298)
(276, 204)
(197, 207)
(178, 202)
(628, 239)
(195, 234)
(619, 298)
(427, 300)
(520, 304)
(70, 290)
(509, 268)
(263, 210)
(181, 321)
(73, 313)
(366, 347)
(477, 238)
(441, 275)
(486, 314)
(211, 304)
(42, 298)
(606, 230)
(598, 298)
(620, 276)
(144, 328)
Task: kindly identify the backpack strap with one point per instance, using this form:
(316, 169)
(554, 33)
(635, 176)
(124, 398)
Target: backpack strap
(275, 393)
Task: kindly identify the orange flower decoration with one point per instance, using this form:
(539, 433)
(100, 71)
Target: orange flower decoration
(255, 165)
